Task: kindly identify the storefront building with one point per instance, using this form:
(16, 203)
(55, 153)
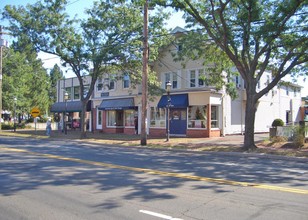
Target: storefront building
(196, 109)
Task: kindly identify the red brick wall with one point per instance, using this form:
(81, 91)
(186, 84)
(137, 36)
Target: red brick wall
(157, 132)
(197, 133)
(113, 130)
(215, 133)
(129, 130)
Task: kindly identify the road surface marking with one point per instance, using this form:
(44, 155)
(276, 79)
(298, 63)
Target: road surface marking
(159, 215)
(162, 173)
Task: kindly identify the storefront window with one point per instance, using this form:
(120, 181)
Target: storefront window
(197, 116)
(111, 118)
(214, 117)
(158, 117)
(130, 117)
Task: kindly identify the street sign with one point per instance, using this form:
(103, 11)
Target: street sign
(35, 112)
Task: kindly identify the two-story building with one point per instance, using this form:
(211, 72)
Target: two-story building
(196, 110)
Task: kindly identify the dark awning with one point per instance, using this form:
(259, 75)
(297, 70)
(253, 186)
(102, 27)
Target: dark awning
(117, 104)
(71, 106)
(177, 101)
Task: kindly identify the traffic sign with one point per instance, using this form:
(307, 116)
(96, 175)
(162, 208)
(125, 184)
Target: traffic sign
(35, 112)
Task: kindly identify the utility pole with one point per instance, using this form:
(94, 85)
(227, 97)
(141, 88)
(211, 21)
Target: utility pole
(143, 140)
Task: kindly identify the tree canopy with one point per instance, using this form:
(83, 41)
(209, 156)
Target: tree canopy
(107, 40)
(25, 79)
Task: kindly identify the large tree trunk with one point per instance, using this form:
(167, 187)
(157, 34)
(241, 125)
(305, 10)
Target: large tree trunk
(83, 125)
(250, 114)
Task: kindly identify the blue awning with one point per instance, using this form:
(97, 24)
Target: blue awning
(70, 106)
(117, 104)
(177, 101)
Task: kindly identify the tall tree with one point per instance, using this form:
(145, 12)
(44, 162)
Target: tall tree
(23, 75)
(107, 40)
(256, 36)
(55, 75)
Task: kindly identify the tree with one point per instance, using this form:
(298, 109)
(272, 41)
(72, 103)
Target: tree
(256, 36)
(55, 74)
(23, 75)
(107, 41)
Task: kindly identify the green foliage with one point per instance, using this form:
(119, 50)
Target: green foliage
(298, 136)
(277, 122)
(107, 40)
(195, 45)
(25, 79)
(10, 126)
(55, 75)
(257, 36)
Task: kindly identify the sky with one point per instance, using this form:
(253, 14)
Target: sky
(78, 6)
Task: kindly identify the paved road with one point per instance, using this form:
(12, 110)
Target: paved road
(42, 179)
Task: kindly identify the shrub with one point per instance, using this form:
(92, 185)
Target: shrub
(9, 126)
(279, 139)
(277, 122)
(298, 136)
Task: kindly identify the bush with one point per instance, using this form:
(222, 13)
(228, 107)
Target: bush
(277, 122)
(299, 136)
(9, 126)
(279, 139)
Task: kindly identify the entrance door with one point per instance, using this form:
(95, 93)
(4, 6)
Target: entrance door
(178, 121)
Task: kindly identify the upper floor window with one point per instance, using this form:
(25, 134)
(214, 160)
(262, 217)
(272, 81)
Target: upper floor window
(126, 81)
(111, 85)
(295, 92)
(106, 83)
(69, 92)
(238, 81)
(268, 79)
(99, 85)
(76, 92)
(173, 78)
(196, 78)
(86, 90)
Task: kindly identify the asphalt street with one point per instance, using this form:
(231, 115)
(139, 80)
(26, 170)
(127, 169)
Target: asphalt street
(61, 179)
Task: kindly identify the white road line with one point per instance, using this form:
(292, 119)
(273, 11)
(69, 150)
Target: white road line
(159, 215)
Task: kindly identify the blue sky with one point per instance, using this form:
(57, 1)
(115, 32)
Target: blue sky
(77, 7)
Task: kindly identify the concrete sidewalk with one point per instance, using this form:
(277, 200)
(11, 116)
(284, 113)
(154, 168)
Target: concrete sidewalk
(230, 140)
(227, 144)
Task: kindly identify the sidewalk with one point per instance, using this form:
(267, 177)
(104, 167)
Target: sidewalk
(231, 140)
(230, 143)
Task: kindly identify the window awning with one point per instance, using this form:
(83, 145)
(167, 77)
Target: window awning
(117, 104)
(177, 101)
(70, 106)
